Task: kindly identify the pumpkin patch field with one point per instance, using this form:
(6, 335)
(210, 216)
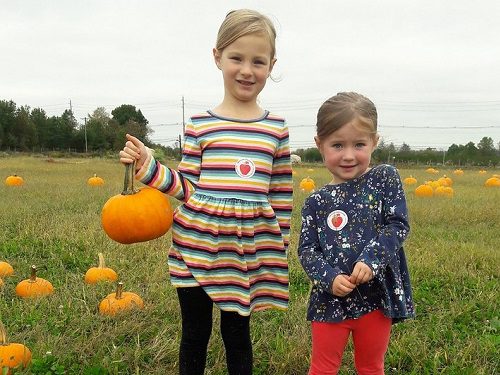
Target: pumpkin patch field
(53, 221)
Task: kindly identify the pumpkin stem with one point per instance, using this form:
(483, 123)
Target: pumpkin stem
(3, 334)
(101, 261)
(128, 183)
(33, 274)
(119, 290)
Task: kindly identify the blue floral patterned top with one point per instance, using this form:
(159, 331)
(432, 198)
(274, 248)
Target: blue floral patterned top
(362, 220)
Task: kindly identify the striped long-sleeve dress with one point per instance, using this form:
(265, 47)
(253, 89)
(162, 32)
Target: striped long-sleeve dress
(231, 234)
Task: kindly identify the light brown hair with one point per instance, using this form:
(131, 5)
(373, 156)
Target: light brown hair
(243, 22)
(343, 108)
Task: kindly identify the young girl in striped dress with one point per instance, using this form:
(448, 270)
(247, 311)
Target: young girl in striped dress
(230, 236)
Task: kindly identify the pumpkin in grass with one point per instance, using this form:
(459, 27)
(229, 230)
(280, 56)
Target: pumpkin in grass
(5, 269)
(136, 215)
(458, 172)
(13, 355)
(100, 273)
(95, 181)
(307, 184)
(432, 170)
(433, 184)
(492, 182)
(34, 286)
(424, 191)
(445, 181)
(120, 301)
(444, 191)
(482, 171)
(410, 180)
(14, 180)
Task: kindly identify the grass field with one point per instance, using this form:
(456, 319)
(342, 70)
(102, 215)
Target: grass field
(53, 222)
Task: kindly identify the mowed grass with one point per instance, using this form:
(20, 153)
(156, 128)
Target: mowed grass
(53, 222)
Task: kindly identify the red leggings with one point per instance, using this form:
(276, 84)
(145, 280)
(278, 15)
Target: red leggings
(370, 335)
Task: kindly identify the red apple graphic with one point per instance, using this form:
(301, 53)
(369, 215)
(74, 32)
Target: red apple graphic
(245, 168)
(337, 221)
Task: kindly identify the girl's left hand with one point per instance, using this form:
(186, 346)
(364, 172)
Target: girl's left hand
(361, 274)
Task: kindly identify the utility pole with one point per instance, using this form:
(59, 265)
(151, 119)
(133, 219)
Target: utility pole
(444, 154)
(183, 122)
(180, 147)
(70, 107)
(85, 131)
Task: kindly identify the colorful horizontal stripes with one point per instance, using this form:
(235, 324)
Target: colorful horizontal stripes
(231, 234)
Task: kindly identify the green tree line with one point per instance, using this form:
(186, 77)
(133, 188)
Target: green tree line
(26, 129)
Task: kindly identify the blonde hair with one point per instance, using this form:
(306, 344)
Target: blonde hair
(343, 108)
(243, 22)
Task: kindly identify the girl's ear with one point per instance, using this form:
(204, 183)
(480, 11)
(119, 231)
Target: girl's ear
(318, 143)
(216, 54)
(271, 66)
(375, 141)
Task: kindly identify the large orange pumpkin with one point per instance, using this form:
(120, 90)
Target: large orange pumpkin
(34, 286)
(492, 182)
(14, 180)
(100, 273)
(445, 181)
(307, 184)
(120, 301)
(424, 191)
(410, 180)
(444, 191)
(136, 215)
(12, 355)
(432, 170)
(5, 269)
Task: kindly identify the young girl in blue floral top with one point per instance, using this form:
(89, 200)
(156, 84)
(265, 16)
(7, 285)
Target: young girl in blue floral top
(351, 242)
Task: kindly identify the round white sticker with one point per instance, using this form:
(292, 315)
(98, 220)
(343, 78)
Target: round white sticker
(245, 168)
(337, 220)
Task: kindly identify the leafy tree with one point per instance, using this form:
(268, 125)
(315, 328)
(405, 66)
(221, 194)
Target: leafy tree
(24, 129)
(486, 145)
(404, 148)
(128, 117)
(96, 129)
(39, 119)
(7, 123)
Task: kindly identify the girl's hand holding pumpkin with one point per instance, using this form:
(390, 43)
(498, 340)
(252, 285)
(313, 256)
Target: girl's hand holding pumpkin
(341, 286)
(361, 274)
(134, 150)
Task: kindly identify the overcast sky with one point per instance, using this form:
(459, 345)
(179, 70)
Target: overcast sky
(432, 67)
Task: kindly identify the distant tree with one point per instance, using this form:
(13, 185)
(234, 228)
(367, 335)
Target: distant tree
(97, 125)
(39, 119)
(486, 151)
(486, 145)
(312, 155)
(127, 115)
(127, 112)
(61, 131)
(404, 148)
(7, 123)
(24, 129)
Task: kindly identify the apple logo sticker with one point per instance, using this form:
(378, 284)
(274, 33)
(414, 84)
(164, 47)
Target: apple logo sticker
(245, 168)
(337, 220)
